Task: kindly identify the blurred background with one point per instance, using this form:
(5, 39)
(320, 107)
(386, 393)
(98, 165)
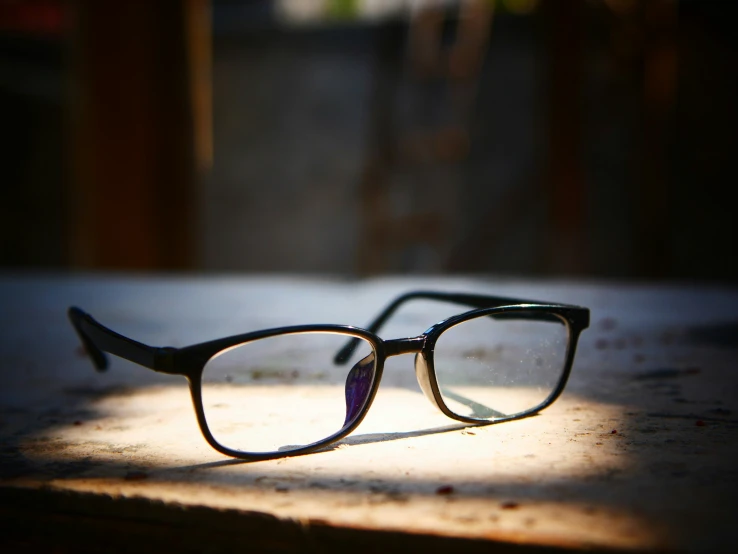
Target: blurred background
(592, 138)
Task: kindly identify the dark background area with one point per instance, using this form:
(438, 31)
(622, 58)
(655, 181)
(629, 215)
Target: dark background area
(585, 138)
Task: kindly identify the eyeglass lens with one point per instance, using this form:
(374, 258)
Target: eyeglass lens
(495, 367)
(284, 392)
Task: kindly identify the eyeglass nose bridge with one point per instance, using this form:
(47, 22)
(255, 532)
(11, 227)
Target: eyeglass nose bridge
(422, 374)
(403, 346)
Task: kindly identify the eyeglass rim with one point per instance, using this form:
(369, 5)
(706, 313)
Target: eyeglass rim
(193, 359)
(195, 372)
(574, 318)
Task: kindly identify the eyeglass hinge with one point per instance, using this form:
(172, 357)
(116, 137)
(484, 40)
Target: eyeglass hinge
(164, 361)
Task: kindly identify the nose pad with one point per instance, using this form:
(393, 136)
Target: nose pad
(358, 385)
(423, 377)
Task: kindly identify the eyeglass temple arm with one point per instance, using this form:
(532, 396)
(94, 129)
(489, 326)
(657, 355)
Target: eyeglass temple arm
(98, 339)
(474, 300)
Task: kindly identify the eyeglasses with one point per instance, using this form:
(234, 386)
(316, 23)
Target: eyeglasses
(293, 390)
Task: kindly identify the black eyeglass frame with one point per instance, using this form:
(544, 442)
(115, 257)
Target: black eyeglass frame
(190, 361)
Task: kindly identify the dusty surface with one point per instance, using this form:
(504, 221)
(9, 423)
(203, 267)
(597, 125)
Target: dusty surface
(639, 452)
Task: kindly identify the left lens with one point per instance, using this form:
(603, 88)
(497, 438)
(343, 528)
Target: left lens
(285, 392)
(498, 366)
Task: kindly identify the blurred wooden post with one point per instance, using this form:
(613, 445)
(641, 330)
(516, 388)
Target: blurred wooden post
(375, 238)
(660, 20)
(140, 131)
(384, 234)
(566, 249)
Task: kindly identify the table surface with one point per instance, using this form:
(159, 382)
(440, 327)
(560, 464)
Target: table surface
(639, 453)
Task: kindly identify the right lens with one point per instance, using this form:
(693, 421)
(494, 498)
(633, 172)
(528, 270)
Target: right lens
(285, 392)
(501, 365)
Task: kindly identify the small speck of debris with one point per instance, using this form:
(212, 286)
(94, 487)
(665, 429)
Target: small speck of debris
(509, 505)
(601, 344)
(445, 489)
(614, 432)
(136, 476)
(78, 422)
(608, 324)
(598, 444)
(98, 428)
(468, 432)
(699, 423)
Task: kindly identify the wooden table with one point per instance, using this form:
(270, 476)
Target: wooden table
(638, 454)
